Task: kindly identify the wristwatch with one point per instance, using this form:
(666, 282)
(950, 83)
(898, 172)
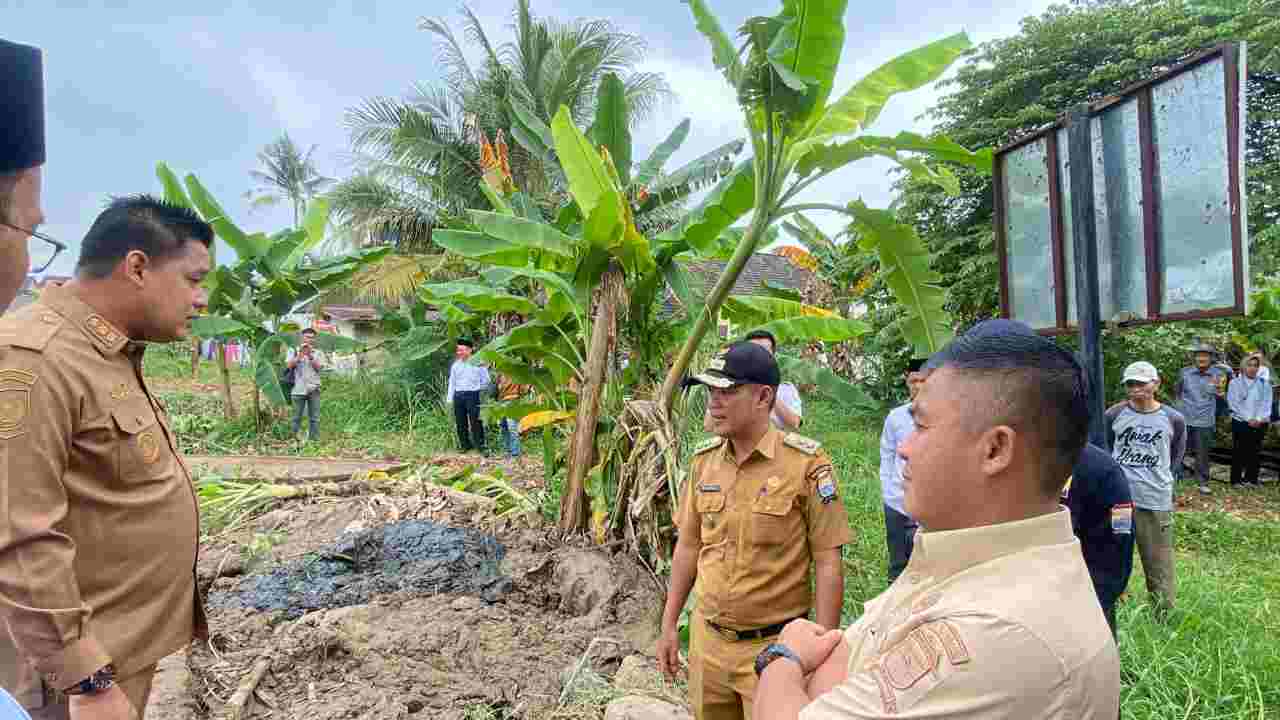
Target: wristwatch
(101, 680)
(772, 652)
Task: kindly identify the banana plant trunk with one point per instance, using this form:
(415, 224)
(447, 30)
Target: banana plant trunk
(228, 402)
(755, 231)
(195, 357)
(582, 446)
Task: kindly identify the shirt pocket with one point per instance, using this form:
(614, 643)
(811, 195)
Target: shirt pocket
(141, 449)
(771, 521)
(710, 506)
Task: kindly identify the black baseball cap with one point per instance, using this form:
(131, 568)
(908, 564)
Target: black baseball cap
(915, 364)
(22, 100)
(740, 364)
(466, 341)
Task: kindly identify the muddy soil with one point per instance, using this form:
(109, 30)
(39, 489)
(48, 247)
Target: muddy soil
(501, 637)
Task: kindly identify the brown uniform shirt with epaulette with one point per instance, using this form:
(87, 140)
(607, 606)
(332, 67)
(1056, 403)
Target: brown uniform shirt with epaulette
(760, 524)
(98, 535)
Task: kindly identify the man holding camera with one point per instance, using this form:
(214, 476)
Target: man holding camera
(306, 364)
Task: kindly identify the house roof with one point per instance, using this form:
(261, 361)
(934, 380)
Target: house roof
(351, 313)
(761, 268)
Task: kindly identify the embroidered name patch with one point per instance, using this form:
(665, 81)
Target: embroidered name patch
(1122, 519)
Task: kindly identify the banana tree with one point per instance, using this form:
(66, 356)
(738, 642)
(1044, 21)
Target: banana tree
(271, 277)
(783, 78)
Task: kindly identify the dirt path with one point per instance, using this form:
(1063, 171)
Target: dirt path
(287, 468)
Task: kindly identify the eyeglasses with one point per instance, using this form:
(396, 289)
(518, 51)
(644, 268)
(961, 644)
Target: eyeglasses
(41, 248)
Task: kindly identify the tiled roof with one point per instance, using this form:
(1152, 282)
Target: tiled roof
(761, 268)
(352, 313)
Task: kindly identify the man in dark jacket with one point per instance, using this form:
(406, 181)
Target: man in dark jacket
(1101, 505)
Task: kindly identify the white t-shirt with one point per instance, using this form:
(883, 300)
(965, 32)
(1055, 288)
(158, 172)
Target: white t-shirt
(788, 397)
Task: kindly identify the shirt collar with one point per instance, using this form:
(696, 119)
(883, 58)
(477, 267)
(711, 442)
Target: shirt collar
(107, 337)
(767, 447)
(948, 552)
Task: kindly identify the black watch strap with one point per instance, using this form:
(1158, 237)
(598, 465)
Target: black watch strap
(772, 652)
(102, 679)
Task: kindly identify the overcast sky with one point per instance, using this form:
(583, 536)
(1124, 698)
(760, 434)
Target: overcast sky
(133, 83)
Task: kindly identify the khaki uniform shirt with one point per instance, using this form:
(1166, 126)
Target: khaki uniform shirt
(760, 524)
(99, 535)
(989, 622)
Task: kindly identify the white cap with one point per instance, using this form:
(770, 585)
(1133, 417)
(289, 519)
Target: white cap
(1141, 371)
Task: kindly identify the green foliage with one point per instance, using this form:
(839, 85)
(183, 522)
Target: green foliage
(1074, 53)
(269, 279)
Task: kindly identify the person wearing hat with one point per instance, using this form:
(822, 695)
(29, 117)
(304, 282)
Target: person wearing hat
(995, 616)
(466, 381)
(759, 508)
(1147, 438)
(1198, 390)
(22, 156)
(1249, 397)
(899, 528)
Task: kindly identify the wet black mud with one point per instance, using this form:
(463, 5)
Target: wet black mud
(414, 556)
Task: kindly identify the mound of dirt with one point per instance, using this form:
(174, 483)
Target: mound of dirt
(510, 614)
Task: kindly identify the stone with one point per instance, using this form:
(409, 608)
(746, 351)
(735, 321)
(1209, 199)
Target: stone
(584, 581)
(637, 707)
(638, 674)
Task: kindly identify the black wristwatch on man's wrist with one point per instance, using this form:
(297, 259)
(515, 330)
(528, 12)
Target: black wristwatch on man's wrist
(100, 681)
(772, 652)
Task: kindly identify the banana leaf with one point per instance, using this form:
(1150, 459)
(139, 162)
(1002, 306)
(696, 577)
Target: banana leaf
(477, 297)
(807, 47)
(804, 372)
(859, 108)
(905, 262)
(583, 166)
(732, 198)
(209, 326)
(723, 53)
(266, 369)
(809, 329)
(611, 126)
(652, 166)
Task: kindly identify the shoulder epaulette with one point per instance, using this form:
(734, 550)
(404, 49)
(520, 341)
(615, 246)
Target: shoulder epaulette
(32, 332)
(806, 445)
(708, 444)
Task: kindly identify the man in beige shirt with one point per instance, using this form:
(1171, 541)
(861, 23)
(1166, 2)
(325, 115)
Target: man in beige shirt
(760, 508)
(99, 538)
(995, 616)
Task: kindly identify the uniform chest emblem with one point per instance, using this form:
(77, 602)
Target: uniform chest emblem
(149, 446)
(120, 392)
(15, 402)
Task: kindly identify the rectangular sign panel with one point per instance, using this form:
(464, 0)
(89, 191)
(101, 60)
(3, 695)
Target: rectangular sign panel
(1168, 169)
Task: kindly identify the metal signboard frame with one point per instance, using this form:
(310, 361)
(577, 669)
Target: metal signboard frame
(1231, 55)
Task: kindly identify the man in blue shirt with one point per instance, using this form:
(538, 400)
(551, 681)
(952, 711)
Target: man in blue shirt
(466, 382)
(899, 528)
(1198, 390)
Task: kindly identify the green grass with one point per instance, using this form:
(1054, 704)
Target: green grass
(1216, 657)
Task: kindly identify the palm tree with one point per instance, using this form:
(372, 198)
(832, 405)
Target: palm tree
(421, 155)
(288, 174)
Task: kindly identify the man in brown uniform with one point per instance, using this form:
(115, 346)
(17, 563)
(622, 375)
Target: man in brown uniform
(98, 542)
(760, 506)
(996, 616)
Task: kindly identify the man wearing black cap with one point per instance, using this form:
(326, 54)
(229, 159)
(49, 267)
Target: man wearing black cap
(899, 528)
(22, 155)
(466, 382)
(759, 507)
